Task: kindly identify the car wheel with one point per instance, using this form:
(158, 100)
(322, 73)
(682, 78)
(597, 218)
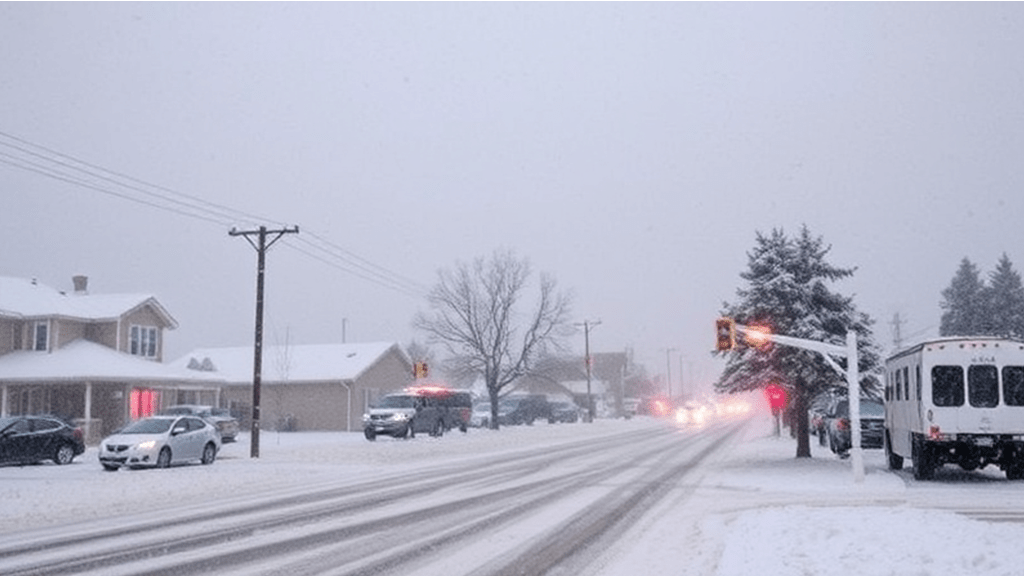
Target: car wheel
(1015, 471)
(64, 455)
(209, 453)
(370, 434)
(438, 429)
(164, 459)
(110, 467)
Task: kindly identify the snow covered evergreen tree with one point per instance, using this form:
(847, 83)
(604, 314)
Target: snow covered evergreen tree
(1006, 301)
(788, 292)
(965, 304)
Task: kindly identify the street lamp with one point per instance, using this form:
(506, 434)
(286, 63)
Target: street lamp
(668, 371)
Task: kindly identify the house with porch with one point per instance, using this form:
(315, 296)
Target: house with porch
(305, 387)
(96, 360)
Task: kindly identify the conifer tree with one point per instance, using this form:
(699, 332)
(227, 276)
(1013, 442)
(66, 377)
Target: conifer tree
(789, 292)
(965, 304)
(1006, 301)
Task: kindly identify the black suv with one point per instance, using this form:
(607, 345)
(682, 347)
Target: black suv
(523, 409)
(30, 439)
(872, 426)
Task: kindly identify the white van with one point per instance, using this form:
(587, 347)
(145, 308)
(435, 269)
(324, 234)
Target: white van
(958, 401)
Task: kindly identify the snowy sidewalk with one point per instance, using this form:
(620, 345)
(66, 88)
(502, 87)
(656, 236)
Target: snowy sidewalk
(763, 511)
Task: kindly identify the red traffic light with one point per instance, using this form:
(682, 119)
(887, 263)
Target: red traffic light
(776, 396)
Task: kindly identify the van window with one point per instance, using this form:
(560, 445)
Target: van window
(948, 385)
(899, 386)
(983, 386)
(1013, 385)
(918, 398)
(906, 383)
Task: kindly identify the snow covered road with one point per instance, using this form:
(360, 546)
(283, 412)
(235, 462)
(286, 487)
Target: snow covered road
(612, 498)
(548, 506)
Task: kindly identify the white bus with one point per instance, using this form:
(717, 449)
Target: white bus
(957, 401)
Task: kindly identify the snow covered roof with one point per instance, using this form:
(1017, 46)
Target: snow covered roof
(24, 298)
(295, 363)
(85, 360)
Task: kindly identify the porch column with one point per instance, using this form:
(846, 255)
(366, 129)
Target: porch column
(88, 411)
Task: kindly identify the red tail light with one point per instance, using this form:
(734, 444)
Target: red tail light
(843, 424)
(935, 433)
(77, 433)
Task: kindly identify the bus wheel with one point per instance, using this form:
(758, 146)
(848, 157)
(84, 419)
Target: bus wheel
(924, 467)
(895, 460)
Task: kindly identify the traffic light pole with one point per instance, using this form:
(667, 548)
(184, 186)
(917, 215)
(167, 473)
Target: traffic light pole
(851, 374)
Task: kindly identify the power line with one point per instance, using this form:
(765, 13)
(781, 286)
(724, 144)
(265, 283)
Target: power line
(28, 156)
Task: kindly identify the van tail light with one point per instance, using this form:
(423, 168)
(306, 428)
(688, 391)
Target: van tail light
(843, 424)
(934, 433)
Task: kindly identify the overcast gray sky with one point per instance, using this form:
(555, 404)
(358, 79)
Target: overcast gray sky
(631, 150)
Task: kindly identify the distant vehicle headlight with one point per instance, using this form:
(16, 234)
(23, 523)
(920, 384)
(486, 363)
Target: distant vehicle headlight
(366, 417)
(400, 416)
(147, 445)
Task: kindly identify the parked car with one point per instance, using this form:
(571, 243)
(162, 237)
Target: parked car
(226, 424)
(160, 441)
(523, 409)
(30, 439)
(481, 416)
(564, 411)
(872, 425)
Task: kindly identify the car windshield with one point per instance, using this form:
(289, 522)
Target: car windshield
(148, 426)
(177, 410)
(398, 401)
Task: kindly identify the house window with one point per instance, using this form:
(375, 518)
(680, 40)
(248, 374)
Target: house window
(143, 341)
(41, 337)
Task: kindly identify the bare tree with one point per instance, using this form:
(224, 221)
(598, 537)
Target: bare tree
(476, 315)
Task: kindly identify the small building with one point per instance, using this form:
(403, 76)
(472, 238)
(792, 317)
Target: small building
(95, 360)
(305, 387)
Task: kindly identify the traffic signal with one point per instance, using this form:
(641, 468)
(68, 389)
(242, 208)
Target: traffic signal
(725, 334)
(776, 396)
(419, 370)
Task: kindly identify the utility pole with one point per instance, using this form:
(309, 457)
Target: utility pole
(897, 337)
(586, 343)
(261, 246)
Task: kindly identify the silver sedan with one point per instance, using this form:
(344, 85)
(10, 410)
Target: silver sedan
(160, 441)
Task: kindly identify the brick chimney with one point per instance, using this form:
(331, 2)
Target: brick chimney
(81, 284)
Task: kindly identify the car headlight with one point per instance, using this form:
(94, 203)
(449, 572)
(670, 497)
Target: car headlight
(399, 417)
(146, 445)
